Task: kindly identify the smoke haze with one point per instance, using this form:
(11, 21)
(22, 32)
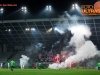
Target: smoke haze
(84, 49)
(24, 61)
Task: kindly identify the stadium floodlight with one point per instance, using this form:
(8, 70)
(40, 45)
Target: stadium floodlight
(9, 30)
(1, 10)
(24, 9)
(76, 5)
(32, 28)
(49, 30)
(73, 5)
(28, 29)
(55, 29)
(48, 7)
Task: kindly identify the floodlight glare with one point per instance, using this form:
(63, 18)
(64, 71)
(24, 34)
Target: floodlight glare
(22, 7)
(49, 30)
(76, 5)
(32, 28)
(55, 29)
(1, 9)
(73, 5)
(46, 6)
(49, 6)
(9, 30)
(28, 29)
(25, 10)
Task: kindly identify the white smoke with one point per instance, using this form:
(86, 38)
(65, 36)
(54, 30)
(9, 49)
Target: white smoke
(79, 32)
(38, 46)
(84, 49)
(23, 61)
(59, 30)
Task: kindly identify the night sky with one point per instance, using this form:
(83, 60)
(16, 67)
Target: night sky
(36, 7)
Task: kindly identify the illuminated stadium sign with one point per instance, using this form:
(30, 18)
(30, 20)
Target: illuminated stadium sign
(90, 9)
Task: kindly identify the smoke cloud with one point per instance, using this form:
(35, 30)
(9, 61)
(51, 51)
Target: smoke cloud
(79, 32)
(84, 49)
(24, 61)
(88, 50)
(38, 46)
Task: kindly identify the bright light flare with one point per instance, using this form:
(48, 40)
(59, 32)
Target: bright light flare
(76, 5)
(48, 7)
(24, 9)
(9, 30)
(55, 29)
(73, 5)
(1, 9)
(49, 30)
(32, 28)
(27, 29)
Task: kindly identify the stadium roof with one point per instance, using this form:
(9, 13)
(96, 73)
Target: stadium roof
(19, 35)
